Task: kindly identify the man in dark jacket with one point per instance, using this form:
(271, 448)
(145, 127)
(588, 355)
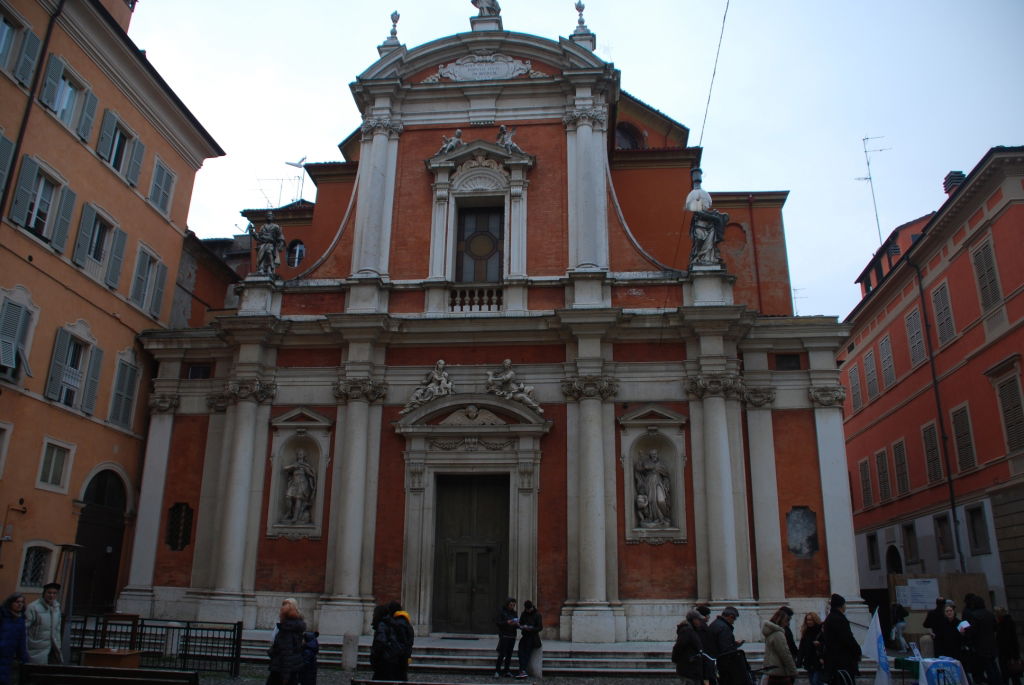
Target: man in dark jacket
(934, 616)
(981, 637)
(707, 641)
(393, 638)
(530, 623)
(842, 651)
(732, 662)
(686, 653)
(507, 622)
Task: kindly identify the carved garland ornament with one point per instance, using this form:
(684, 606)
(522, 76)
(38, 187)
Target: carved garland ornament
(758, 396)
(365, 389)
(715, 385)
(587, 387)
(254, 389)
(471, 443)
(162, 404)
(827, 395)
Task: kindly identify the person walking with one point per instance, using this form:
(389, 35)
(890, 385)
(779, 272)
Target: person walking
(732, 662)
(842, 651)
(530, 624)
(778, 659)
(707, 641)
(507, 622)
(1008, 647)
(286, 650)
(687, 652)
(981, 636)
(393, 638)
(809, 651)
(899, 624)
(13, 639)
(42, 620)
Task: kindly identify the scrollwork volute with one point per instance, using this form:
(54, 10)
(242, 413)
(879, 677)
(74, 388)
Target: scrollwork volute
(164, 404)
(218, 401)
(724, 385)
(827, 395)
(589, 387)
(590, 116)
(251, 389)
(366, 389)
(373, 126)
(758, 396)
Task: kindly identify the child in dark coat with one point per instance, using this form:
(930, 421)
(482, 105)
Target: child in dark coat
(310, 650)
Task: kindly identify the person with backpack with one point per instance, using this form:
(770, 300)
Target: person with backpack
(310, 650)
(687, 652)
(286, 650)
(507, 622)
(393, 637)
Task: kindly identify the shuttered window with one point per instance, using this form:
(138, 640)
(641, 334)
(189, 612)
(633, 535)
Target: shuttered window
(42, 205)
(915, 338)
(943, 314)
(933, 465)
(888, 369)
(74, 372)
(882, 466)
(68, 98)
(162, 187)
(125, 384)
(15, 320)
(147, 290)
(855, 394)
(120, 148)
(965, 458)
(1013, 412)
(871, 373)
(988, 280)
(899, 458)
(866, 496)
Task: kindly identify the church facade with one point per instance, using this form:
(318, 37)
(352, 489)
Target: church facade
(498, 357)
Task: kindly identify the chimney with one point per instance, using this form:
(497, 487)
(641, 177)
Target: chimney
(953, 180)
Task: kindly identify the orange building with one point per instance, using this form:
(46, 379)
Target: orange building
(97, 161)
(492, 361)
(934, 425)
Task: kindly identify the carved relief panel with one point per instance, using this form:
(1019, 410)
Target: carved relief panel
(653, 457)
(298, 469)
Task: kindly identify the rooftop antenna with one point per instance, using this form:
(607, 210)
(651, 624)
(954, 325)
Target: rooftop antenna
(870, 180)
(302, 174)
(796, 311)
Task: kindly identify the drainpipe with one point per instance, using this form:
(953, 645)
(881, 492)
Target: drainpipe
(40, 68)
(940, 414)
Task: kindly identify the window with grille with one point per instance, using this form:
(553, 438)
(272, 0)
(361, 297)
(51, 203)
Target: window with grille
(915, 338)
(965, 458)
(988, 279)
(944, 537)
(933, 465)
(899, 458)
(910, 548)
(179, 526)
(866, 495)
(943, 314)
(871, 373)
(882, 466)
(874, 559)
(36, 570)
(1012, 410)
(888, 369)
(855, 394)
(977, 530)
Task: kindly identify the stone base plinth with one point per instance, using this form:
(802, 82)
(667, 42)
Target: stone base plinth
(344, 616)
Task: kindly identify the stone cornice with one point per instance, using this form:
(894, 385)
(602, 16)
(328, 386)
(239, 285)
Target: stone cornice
(590, 387)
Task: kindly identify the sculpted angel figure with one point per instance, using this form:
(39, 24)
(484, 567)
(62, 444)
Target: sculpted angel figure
(503, 383)
(435, 384)
(488, 8)
(449, 144)
(505, 140)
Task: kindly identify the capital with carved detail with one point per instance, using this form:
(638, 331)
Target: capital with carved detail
(590, 387)
(253, 390)
(385, 125)
(827, 395)
(218, 401)
(590, 116)
(164, 404)
(365, 389)
(758, 396)
(724, 385)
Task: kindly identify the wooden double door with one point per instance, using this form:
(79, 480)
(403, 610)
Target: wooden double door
(471, 563)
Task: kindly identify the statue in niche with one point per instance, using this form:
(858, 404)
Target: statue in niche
(471, 415)
(707, 227)
(435, 384)
(488, 8)
(503, 383)
(450, 144)
(270, 239)
(505, 140)
(653, 491)
(299, 489)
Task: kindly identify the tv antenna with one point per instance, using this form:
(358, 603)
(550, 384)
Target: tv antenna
(796, 311)
(870, 180)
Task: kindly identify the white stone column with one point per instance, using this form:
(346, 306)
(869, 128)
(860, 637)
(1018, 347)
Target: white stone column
(588, 200)
(248, 394)
(376, 191)
(721, 517)
(593, 619)
(765, 496)
(835, 489)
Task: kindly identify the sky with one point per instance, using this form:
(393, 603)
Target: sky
(799, 84)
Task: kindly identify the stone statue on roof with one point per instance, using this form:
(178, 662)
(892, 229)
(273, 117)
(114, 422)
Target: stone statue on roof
(707, 227)
(488, 8)
(270, 242)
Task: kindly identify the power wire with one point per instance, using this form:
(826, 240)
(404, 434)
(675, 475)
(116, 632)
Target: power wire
(713, 72)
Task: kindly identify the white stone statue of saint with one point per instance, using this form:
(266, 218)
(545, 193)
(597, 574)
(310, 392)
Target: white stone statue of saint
(270, 240)
(653, 491)
(299, 490)
(488, 8)
(707, 227)
(503, 383)
(435, 384)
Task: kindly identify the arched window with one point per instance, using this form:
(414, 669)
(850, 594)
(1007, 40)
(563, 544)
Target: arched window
(296, 252)
(628, 137)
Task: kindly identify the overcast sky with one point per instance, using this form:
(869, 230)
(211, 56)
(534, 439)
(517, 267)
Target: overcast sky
(799, 84)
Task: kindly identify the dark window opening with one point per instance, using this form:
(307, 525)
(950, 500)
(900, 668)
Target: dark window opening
(628, 137)
(787, 362)
(479, 252)
(198, 371)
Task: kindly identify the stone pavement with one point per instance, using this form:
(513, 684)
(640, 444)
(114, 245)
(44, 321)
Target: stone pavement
(256, 673)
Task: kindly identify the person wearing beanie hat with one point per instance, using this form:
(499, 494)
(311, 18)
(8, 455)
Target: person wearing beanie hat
(43, 622)
(842, 651)
(707, 641)
(687, 651)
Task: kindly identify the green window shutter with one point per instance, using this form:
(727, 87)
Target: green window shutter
(24, 190)
(156, 303)
(113, 276)
(54, 70)
(86, 228)
(63, 223)
(92, 381)
(135, 164)
(84, 129)
(60, 353)
(6, 158)
(10, 325)
(27, 58)
(106, 140)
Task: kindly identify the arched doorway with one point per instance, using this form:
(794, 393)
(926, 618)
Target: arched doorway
(893, 560)
(100, 533)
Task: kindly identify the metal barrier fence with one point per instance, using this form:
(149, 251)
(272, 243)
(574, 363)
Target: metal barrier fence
(181, 645)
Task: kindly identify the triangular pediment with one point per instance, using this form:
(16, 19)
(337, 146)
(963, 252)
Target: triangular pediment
(301, 417)
(652, 415)
(480, 151)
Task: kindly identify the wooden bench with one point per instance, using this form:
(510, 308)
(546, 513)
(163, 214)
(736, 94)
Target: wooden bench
(43, 674)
